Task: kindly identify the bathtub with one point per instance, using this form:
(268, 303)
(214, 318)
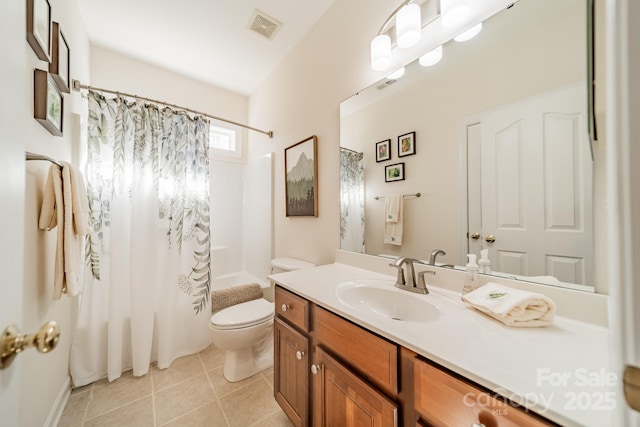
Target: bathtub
(242, 278)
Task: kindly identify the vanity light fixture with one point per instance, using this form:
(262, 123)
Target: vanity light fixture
(455, 12)
(431, 58)
(469, 34)
(396, 74)
(408, 22)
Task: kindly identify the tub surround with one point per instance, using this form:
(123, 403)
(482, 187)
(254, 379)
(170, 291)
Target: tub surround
(552, 371)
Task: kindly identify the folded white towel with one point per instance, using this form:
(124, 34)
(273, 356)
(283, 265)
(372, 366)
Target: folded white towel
(393, 222)
(512, 307)
(52, 215)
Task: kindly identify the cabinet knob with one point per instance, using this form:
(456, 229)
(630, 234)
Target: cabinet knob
(285, 307)
(315, 369)
(299, 354)
(477, 425)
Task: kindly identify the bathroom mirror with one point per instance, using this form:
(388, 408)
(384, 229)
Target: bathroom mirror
(502, 151)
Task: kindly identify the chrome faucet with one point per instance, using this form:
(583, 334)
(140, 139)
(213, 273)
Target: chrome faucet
(419, 286)
(434, 254)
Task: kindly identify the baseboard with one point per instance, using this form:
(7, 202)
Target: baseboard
(58, 406)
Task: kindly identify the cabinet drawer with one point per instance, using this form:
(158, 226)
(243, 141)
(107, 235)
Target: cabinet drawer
(293, 308)
(442, 399)
(372, 357)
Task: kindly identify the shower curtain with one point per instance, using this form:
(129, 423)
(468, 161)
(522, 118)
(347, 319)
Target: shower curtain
(147, 275)
(351, 201)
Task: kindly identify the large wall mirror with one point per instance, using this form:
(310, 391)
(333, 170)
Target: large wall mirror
(502, 151)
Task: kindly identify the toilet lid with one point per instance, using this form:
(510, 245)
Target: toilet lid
(243, 315)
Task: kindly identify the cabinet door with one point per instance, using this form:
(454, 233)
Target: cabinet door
(343, 399)
(291, 374)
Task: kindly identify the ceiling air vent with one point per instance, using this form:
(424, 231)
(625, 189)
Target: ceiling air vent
(263, 24)
(386, 84)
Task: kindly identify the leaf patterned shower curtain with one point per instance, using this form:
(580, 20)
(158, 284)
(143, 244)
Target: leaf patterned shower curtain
(147, 279)
(351, 201)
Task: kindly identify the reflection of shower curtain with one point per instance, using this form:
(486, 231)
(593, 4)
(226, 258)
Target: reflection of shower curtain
(146, 290)
(351, 201)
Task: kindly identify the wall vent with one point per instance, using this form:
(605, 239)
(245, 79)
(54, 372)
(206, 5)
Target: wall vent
(263, 24)
(386, 84)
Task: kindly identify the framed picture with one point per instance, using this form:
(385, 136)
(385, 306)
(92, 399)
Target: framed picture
(407, 144)
(60, 59)
(39, 28)
(47, 102)
(383, 150)
(301, 177)
(394, 172)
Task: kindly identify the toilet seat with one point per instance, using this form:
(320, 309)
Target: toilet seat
(243, 315)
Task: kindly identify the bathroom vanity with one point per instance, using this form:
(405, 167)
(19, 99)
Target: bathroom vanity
(340, 357)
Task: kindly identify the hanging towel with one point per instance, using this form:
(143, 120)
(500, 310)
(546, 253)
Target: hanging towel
(235, 295)
(393, 209)
(65, 206)
(512, 307)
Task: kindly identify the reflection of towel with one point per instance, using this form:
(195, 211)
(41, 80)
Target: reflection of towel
(393, 208)
(512, 307)
(235, 295)
(65, 206)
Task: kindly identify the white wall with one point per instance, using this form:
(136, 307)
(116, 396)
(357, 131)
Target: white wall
(44, 377)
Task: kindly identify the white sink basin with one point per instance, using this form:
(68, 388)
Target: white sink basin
(383, 299)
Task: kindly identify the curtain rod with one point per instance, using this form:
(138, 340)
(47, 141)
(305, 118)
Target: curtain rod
(77, 86)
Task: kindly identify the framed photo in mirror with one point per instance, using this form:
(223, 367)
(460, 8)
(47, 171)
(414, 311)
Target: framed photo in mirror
(39, 28)
(47, 102)
(407, 144)
(301, 178)
(383, 150)
(394, 172)
(60, 59)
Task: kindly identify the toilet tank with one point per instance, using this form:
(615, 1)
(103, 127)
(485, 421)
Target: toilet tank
(280, 265)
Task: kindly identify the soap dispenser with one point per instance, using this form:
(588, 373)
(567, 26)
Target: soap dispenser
(471, 281)
(484, 263)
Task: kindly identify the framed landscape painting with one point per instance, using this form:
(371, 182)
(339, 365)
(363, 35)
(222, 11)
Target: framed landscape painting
(301, 178)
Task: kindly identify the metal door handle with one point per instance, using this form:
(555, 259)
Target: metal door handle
(489, 238)
(475, 236)
(13, 342)
(631, 383)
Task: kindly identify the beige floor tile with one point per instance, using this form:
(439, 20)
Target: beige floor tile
(206, 416)
(212, 357)
(249, 404)
(136, 414)
(277, 419)
(107, 397)
(268, 374)
(75, 409)
(180, 370)
(222, 387)
(176, 401)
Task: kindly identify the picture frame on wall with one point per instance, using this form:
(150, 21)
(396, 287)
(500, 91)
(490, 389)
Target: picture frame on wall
(60, 59)
(383, 150)
(301, 178)
(48, 103)
(39, 28)
(407, 144)
(394, 172)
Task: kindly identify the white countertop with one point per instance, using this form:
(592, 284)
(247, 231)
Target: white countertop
(561, 372)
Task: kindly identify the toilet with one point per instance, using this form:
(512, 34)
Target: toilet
(245, 330)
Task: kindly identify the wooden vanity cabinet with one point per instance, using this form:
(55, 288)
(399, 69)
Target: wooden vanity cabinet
(443, 399)
(291, 354)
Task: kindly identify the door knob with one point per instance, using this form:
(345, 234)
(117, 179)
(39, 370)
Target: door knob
(299, 354)
(631, 383)
(13, 342)
(489, 238)
(475, 236)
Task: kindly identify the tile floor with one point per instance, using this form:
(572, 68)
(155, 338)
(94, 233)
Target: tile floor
(192, 392)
